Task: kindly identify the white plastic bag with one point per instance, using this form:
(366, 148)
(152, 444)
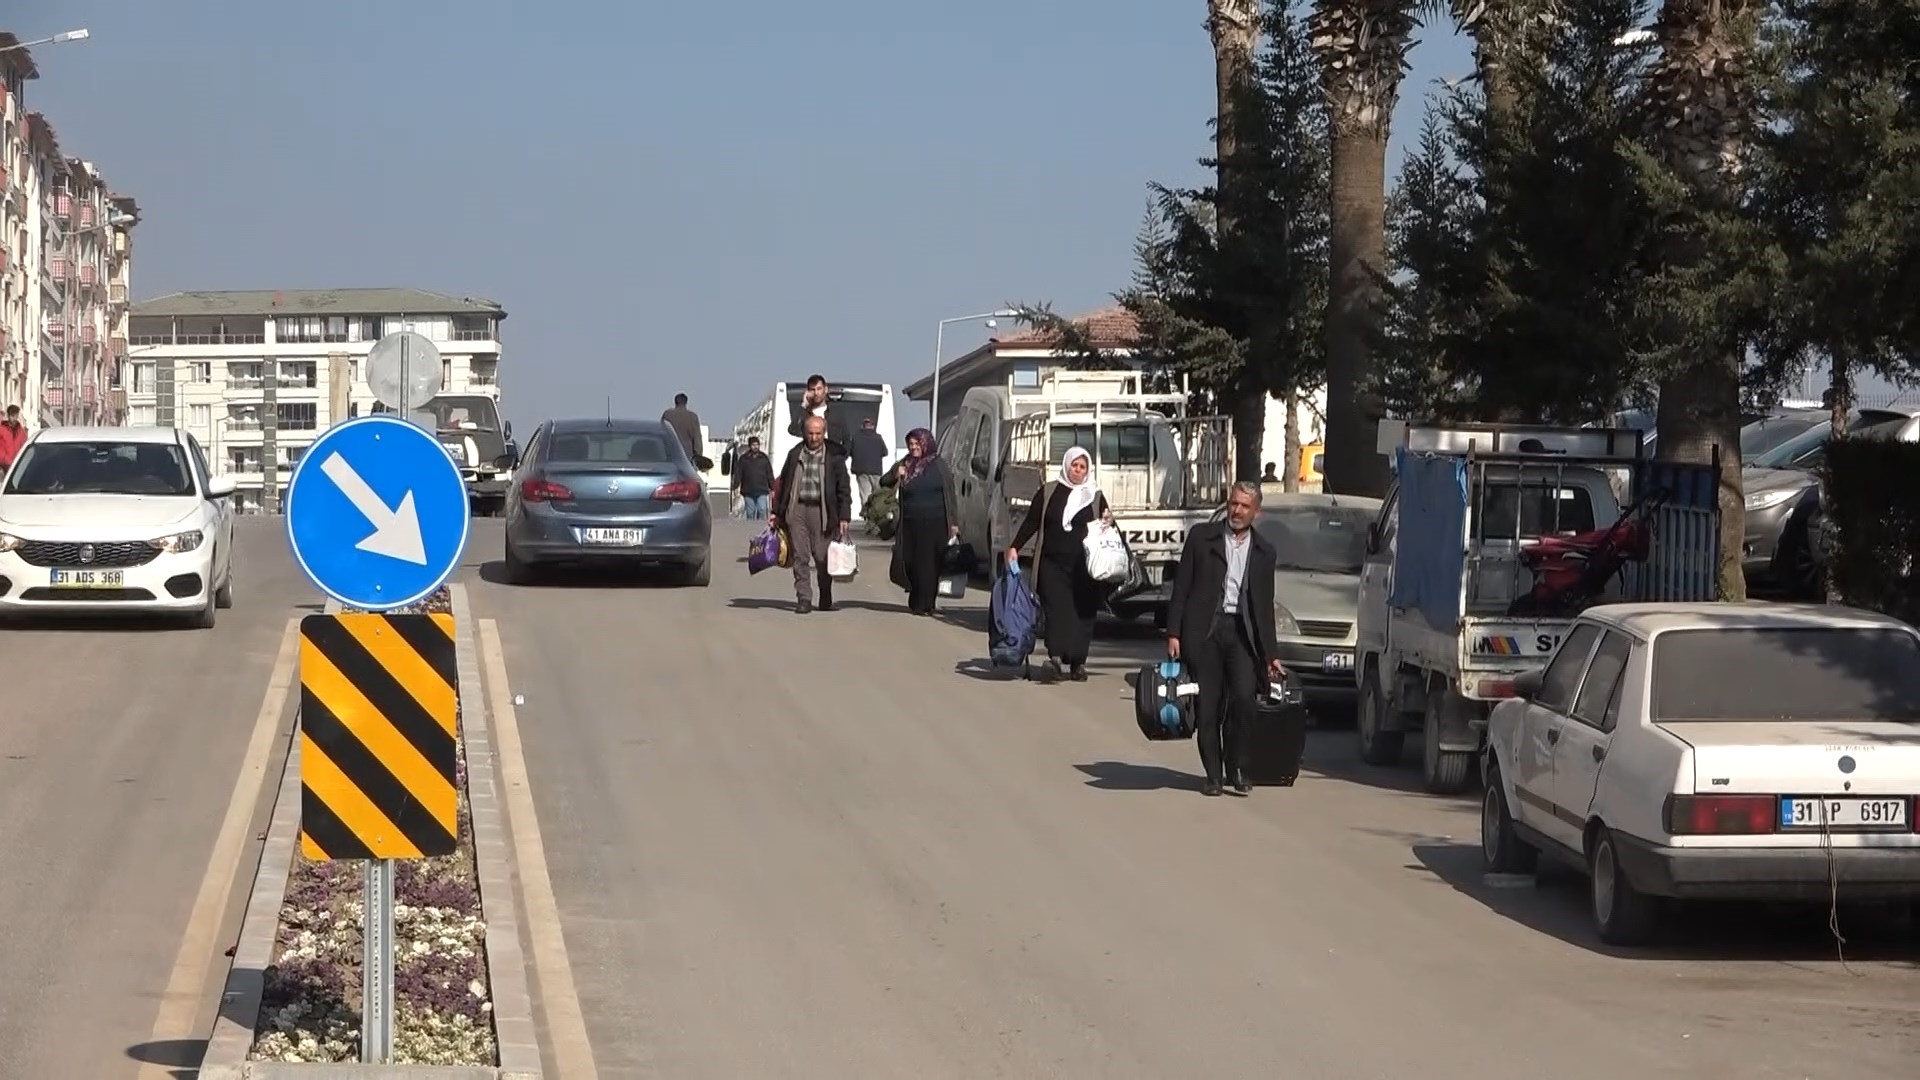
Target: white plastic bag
(1107, 555)
(952, 587)
(841, 563)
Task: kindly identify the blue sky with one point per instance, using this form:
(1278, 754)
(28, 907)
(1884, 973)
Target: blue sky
(703, 197)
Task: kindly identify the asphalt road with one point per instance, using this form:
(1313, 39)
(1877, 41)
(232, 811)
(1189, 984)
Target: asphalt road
(835, 846)
(120, 743)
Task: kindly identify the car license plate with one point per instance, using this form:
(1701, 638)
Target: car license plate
(614, 537)
(87, 579)
(1337, 661)
(1843, 813)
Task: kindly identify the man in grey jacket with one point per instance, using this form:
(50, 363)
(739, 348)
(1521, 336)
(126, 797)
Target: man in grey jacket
(686, 424)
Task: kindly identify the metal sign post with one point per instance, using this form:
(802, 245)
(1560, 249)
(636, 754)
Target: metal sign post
(376, 974)
(377, 518)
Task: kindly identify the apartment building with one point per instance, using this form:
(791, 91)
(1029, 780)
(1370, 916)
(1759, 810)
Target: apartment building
(256, 376)
(66, 253)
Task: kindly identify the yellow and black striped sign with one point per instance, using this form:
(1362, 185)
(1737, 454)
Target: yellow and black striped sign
(379, 712)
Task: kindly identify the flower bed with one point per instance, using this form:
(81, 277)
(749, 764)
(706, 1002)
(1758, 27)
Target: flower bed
(310, 1004)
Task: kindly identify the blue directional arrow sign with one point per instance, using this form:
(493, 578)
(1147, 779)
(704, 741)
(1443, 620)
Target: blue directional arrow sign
(377, 513)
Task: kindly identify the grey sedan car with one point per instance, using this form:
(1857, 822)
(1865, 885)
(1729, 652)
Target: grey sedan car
(608, 493)
(1783, 500)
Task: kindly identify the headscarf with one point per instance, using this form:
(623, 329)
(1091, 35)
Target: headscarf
(1080, 495)
(914, 464)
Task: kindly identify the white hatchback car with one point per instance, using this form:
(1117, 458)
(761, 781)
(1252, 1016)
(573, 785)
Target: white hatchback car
(115, 519)
(1713, 751)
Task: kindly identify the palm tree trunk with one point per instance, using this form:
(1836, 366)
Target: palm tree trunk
(1234, 27)
(1362, 46)
(1702, 105)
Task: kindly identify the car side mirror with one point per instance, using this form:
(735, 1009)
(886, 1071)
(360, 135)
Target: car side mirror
(1526, 685)
(703, 463)
(506, 429)
(219, 487)
(507, 461)
(1373, 538)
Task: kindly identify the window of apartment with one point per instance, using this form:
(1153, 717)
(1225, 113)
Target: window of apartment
(197, 371)
(243, 418)
(200, 419)
(299, 373)
(473, 328)
(446, 374)
(243, 459)
(297, 416)
(141, 416)
(245, 373)
(291, 455)
(143, 379)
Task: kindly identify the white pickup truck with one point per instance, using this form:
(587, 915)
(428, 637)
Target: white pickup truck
(1161, 471)
(1458, 597)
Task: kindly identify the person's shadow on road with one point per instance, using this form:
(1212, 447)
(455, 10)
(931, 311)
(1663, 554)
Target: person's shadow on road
(1129, 776)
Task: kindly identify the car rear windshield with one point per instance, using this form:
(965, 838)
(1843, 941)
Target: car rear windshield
(1513, 509)
(613, 448)
(1811, 674)
(1321, 539)
(101, 468)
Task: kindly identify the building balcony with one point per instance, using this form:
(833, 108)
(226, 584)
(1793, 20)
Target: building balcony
(61, 204)
(117, 293)
(86, 215)
(57, 267)
(89, 275)
(89, 335)
(117, 345)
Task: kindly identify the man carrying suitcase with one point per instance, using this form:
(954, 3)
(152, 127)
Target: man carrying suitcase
(1220, 624)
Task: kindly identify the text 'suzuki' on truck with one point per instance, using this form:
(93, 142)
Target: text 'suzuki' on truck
(1490, 541)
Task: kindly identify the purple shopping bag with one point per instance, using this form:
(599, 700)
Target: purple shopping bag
(767, 550)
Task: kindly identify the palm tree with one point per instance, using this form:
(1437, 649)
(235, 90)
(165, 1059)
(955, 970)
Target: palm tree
(1363, 46)
(1702, 104)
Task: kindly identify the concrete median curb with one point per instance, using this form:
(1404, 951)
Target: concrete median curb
(515, 1033)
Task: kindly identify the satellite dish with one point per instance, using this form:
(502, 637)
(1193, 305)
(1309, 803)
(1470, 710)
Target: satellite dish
(403, 370)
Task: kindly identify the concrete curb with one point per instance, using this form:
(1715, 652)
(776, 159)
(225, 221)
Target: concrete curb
(514, 1030)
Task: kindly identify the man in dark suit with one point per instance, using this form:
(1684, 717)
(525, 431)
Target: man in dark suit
(1220, 623)
(815, 403)
(813, 504)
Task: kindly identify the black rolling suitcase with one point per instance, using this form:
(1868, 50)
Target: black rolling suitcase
(1278, 738)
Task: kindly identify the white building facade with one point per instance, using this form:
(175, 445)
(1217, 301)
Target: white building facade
(256, 376)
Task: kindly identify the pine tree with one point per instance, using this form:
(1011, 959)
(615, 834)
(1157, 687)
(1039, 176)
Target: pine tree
(1840, 189)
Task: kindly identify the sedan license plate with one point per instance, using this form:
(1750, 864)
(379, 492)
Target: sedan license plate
(1337, 661)
(614, 537)
(87, 579)
(1852, 813)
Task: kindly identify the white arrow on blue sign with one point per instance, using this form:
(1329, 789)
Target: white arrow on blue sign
(377, 513)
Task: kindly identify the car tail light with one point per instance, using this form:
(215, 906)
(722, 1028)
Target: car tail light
(1722, 815)
(1496, 688)
(545, 491)
(680, 491)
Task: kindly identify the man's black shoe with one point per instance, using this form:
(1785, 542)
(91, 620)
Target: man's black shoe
(803, 607)
(1211, 788)
(1240, 785)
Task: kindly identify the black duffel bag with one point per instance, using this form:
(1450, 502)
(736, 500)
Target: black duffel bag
(1164, 700)
(1279, 736)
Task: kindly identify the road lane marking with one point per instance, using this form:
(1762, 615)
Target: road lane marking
(199, 946)
(566, 1026)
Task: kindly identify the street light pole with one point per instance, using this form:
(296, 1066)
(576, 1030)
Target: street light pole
(58, 39)
(939, 343)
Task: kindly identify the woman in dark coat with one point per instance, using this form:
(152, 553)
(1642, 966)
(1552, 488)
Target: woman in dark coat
(1061, 512)
(929, 518)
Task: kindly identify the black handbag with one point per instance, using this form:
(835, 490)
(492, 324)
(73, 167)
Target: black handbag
(1163, 701)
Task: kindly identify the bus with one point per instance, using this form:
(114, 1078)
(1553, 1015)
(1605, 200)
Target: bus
(775, 420)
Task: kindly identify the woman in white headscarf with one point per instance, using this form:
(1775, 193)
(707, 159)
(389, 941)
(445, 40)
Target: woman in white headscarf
(1059, 517)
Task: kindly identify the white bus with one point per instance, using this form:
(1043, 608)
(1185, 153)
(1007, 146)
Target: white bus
(776, 420)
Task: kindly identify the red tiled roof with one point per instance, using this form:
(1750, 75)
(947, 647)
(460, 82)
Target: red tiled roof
(1107, 328)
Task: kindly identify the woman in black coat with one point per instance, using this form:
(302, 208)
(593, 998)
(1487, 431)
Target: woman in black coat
(1061, 512)
(929, 518)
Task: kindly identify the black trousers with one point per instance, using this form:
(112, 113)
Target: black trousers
(1225, 666)
(1070, 601)
(923, 547)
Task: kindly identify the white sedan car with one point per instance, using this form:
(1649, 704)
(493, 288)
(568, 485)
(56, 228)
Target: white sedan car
(115, 519)
(1713, 751)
